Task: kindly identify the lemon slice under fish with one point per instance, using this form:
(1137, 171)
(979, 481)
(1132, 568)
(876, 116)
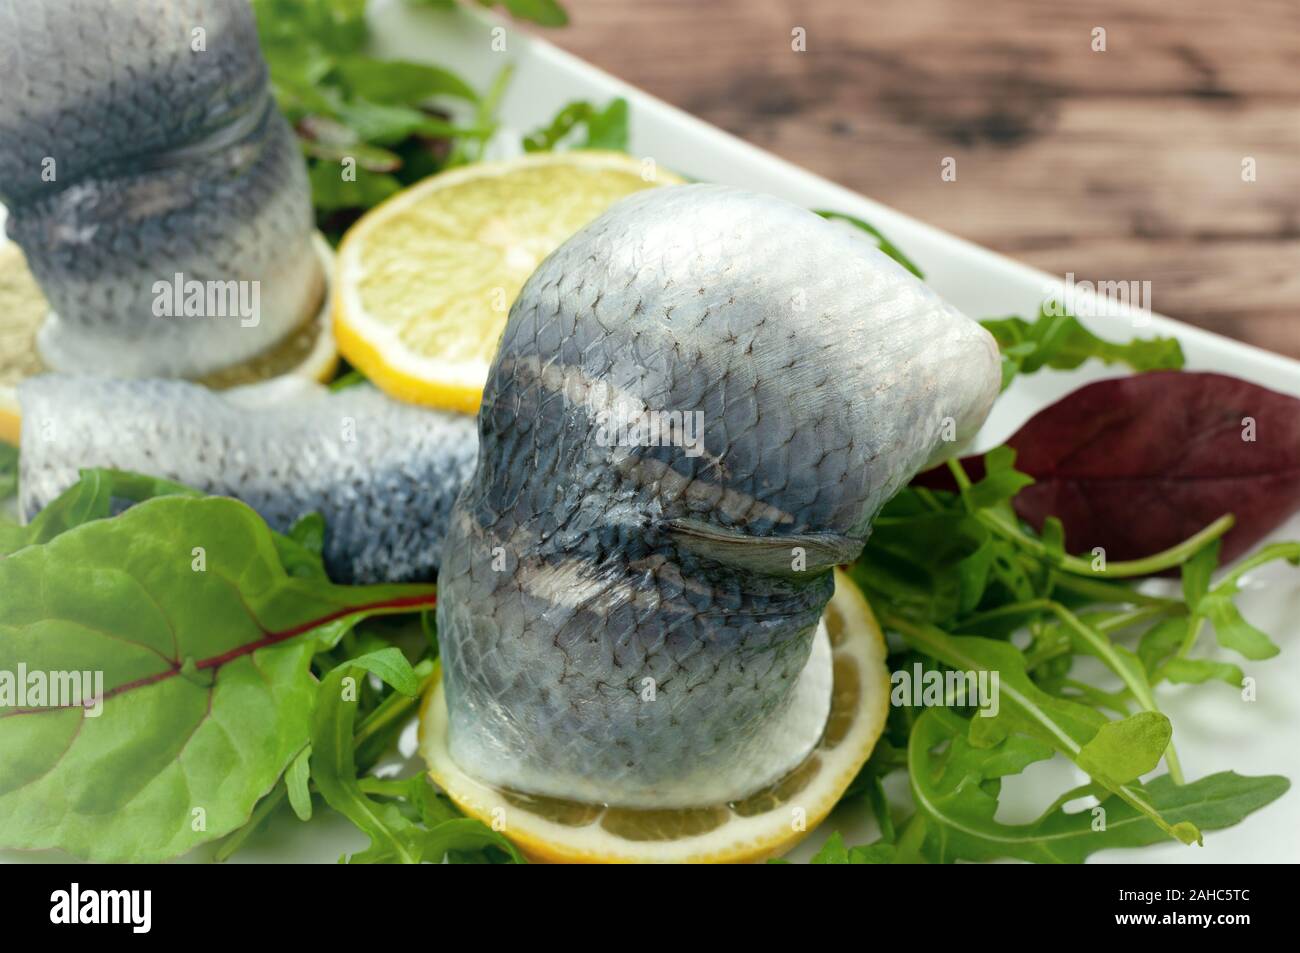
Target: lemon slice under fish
(22, 309)
(308, 352)
(759, 826)
(426, 279)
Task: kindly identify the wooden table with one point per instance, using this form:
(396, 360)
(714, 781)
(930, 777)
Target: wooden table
(1117, 165)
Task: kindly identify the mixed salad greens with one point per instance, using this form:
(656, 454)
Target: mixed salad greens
(967, 568)
(346, 105)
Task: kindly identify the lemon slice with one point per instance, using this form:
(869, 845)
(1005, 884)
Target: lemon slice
(759, 826)
(308, 352)
(426, 279)
(22, 311)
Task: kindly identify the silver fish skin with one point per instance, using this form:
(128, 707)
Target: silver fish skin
(383, 474)
(633, 624)
(129, 157)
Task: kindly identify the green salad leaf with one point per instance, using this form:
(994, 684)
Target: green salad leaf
(395, 836)
(834, 852)
(368, 127)
(883, 243)
(332, 193)
(605, 128)
(397, 82)
(296, 784)
(962, 580)
(1075, 730)
(199, 646)
(1061, 342)
(1217, 606)
(956, 784)
(90, 498)
(541, 12)
(333, 766)
(8, 471)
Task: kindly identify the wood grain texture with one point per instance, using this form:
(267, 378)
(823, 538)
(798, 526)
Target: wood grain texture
(1123, 164)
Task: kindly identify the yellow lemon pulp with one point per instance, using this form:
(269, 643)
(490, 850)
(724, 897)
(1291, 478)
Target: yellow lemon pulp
(426, 279)
(22, 310)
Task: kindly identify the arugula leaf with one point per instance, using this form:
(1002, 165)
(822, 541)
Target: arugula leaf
(883, 243)
(455, 837)
(333, 766)
(1062, 343)
(869, 784)
(834, 852)
(204, 644)
(1195, 671)
(541, 12)
(350, 379)
(1216, 605)
(1127, 749)
(956, 785)
(1010, 579)
(1231, 628)
(300, 550)
(388, 124)
(1196, 573)
(929, 565)
(393, 836)
(399, 81)
(319, 141)
(609, 129)
(286, 27)
(1001, 482)
(345, 105)
(604, 128)
(374, 736)
(1160, 641)
(331, 192)
(309, 533)
(432, 806)
(1026, 709)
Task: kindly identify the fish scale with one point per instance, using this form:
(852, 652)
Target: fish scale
(383, 474)
(826, 375)
(167, 160)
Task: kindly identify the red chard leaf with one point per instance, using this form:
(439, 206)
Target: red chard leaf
(1137, 464)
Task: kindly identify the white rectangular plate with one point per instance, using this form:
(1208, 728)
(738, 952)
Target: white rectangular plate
(1216, 730)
